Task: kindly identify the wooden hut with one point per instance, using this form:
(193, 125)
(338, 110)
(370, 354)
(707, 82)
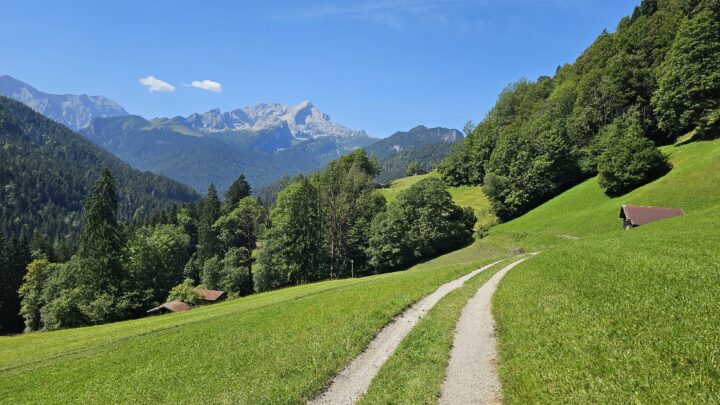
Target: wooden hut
(636, 215)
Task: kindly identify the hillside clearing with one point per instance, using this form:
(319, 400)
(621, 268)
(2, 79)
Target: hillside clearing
(464, 196)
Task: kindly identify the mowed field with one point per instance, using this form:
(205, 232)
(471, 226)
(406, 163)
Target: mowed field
(278, 347)
(617, 316)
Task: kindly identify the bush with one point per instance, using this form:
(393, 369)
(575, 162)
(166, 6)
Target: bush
(423, 223)
(629, 160)
(184, 292)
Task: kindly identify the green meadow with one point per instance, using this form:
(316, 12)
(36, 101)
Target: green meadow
(276, 347)
(617, 316)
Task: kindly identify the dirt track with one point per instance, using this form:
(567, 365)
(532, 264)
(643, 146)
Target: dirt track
(352, 382)
(471, 376)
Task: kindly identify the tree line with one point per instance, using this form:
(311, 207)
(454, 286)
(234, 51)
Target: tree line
(330, 224)
(653, 80)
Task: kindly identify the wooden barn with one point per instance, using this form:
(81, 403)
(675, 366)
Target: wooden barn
(210, 296)
(636, 215)
(172, 306)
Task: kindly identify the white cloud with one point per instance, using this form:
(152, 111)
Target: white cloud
(153, 84)
(207, 85)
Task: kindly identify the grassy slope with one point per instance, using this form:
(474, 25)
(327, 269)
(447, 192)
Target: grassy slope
(276, 347)
(617, 316)
(465, 196)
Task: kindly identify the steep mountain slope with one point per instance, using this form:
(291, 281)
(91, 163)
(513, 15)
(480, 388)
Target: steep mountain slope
(46, 171)
(404, 140)
(73, 111)
(427, 156)
(422, 145)
(265, 143)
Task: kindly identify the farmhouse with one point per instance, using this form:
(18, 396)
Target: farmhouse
(172, 306)
(636, 215)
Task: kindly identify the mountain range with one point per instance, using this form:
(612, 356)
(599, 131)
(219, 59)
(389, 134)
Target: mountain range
(264, 142)
(73, 111)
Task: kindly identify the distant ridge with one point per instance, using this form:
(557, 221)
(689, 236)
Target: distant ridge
(73, 111)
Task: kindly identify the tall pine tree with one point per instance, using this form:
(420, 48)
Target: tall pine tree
(210, 210)
(238, 190)
(100, 244)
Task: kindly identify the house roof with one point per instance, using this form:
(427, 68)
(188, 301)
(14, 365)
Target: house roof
(640, 215)
(209, 295)
(172, 306)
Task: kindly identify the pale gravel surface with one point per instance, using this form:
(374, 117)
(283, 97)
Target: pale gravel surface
(471, 376)
(352, 382)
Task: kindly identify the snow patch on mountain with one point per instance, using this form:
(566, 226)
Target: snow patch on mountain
(304, 120)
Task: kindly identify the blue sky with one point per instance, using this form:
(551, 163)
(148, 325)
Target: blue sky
(376, 65)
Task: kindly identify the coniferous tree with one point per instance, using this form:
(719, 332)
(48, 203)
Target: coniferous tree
(100, 244)
(14, 258)
(210, 210)
(238, 190)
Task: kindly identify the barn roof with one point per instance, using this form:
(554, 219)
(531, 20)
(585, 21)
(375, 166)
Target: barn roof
(172, 306)
(209, 295)
(640, 215)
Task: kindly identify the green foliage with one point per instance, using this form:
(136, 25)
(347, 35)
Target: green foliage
(629, 160)
(33, 294)
(413, 169)
(542, 137)
(422, 223)
(292, 250)
(345, 191)
(14, 257)
(426, 156)
(212, 272)
(210, 210)
(154, 259)
(240, 227)
(47, 170)
(236, 276)
(238, 190)
(689, 79)
(184, 292)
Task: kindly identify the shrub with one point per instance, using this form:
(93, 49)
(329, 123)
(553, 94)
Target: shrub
(184, 292)
(629, 159)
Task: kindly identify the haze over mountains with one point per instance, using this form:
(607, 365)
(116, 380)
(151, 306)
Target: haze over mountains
(264, 142)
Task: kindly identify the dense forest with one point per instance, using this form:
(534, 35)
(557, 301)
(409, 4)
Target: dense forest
(47, 170)
(653, 80)
(331, 224)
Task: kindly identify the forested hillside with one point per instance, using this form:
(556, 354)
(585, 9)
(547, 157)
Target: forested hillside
(654, 79)
(421, 145)
(46, 171)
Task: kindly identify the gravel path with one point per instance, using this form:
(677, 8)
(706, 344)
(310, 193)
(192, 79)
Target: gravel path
(471, 376)
(348, 386)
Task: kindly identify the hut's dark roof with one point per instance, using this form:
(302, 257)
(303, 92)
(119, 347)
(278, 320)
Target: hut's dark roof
(640, 215)
(172, 306)
(209, 295)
